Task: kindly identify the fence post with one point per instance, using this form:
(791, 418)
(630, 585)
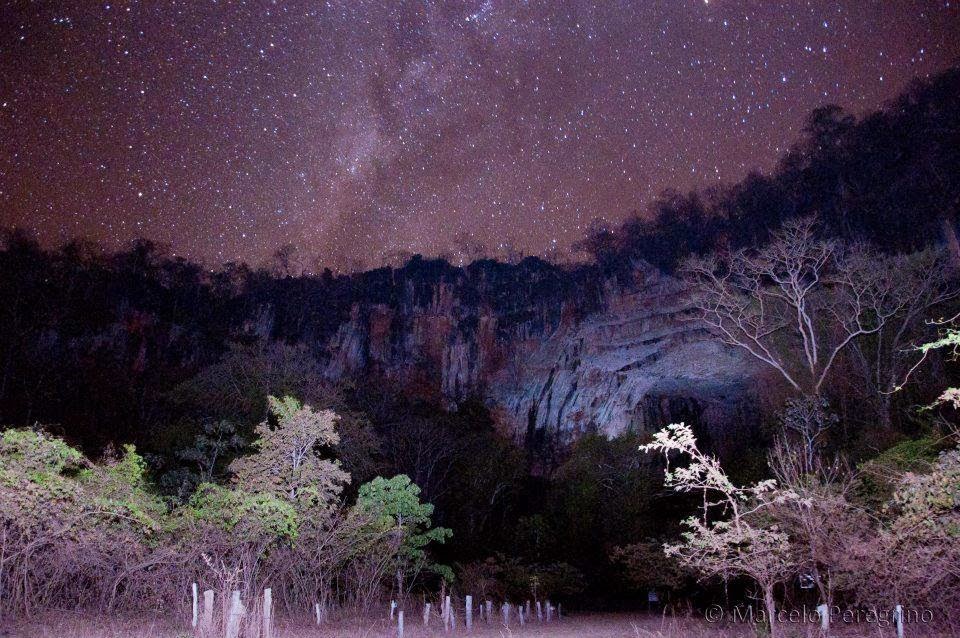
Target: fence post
(505, 611)
(393, 607)
(267, 613)
(400, 624)
(206, 628)
(824, 613)
(196, 606)
(539, 612)
(549, 611)
(447, 614)
(468, 605)
(520, 614)
(235, 615)
(898, 620)
(489, 611)
(426, 615)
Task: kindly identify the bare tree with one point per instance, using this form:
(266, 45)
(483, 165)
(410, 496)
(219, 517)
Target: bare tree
(809, 419)
(824, 526)
(795, 304)
(923, 282)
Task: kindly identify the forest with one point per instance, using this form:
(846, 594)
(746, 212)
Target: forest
(167, 423)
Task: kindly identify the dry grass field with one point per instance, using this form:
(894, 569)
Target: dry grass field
(65, 625)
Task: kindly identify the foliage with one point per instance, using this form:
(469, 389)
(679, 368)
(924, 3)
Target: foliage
(72, 529)
(878, 477)
(511, 578)
(396, 504)
(206, 459)
(646, 566)
(287, 460)
(254, 517)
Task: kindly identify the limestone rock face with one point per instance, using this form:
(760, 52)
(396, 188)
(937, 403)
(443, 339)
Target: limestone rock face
(548, 356)
(641, 362)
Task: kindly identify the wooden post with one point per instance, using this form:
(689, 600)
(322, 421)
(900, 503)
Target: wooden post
(316, 612)
(393, 607)
(489, 611)
(267, 618)
(520, 614)
(447, 615)
(206, 627)
(898, 620)
(539, 612)
(505, 612)
(400, 624)
(235, 616)
(426, 615)
(468, 609)
(549, 611)
(528, 608)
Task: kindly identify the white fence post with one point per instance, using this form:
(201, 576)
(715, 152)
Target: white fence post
(267, 618)
(206, 626)
(426, 615)
(468, 612)
(400, 624)
(235, 616)
(824, 613)
(196, 606)
(898, 620)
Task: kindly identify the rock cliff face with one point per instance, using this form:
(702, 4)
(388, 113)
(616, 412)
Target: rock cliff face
(551, 357)
(641, 362)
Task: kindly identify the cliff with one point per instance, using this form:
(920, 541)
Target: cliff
(552, 353)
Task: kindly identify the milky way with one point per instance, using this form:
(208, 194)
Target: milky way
(359, 131)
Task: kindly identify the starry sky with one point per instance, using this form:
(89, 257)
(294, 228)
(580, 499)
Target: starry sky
(361, 130)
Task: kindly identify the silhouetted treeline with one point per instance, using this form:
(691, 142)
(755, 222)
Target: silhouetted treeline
(891, 177)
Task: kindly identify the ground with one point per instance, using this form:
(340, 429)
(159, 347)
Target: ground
(66, 625)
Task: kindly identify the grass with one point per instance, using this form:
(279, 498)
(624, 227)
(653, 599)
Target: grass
(69, 625)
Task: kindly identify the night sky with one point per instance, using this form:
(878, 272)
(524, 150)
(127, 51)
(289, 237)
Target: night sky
(356, 129)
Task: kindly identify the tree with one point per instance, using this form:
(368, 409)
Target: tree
(922, 542)
(205, 460)
(747, 542)
(795, 304)
(236, 530)
(809, 419)
(823, 526)
(922, 283)
(287, 461)
(396, 509)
